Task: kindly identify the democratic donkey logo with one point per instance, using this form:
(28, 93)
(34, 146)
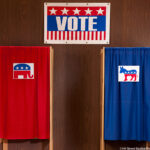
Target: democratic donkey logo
(23, 70)
(128, 73)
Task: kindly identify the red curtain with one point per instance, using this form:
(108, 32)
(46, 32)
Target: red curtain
(24, 103)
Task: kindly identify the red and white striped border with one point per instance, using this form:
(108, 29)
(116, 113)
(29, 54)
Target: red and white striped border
(76, 35)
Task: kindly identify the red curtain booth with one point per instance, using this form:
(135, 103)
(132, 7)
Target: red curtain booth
(24, 92)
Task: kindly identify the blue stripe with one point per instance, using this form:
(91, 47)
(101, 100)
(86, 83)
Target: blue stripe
(100, 26)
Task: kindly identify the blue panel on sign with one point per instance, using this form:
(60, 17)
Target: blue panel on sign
(76, 23)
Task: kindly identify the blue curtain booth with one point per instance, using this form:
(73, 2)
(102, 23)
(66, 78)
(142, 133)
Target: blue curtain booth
(127, 94)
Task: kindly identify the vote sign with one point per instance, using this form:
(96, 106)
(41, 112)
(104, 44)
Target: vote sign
(76, 23)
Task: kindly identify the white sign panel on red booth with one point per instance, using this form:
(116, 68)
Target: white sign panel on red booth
(76, 23)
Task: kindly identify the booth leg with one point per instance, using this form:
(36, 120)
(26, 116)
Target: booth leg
(102, 75)
(51, 98)
(5, 144)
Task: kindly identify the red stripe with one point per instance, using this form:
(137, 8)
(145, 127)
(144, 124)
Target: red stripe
(84, 35)
(104, 35)
(96, 35)
(63, 35)
(80, 35)
(76, 35)
(59, 35)
(55, 35)
(88, 35)
(47, 35)
(71, 35)
(51, 35)
(92, 35)
(100, 35)
(67, 35)
(82, 8)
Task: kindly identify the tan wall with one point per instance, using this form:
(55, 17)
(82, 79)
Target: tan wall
(77, 68)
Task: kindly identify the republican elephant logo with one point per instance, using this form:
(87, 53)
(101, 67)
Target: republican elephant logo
(23, 70)
(128, 74)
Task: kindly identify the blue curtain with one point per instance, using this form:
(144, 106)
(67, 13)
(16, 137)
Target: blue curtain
(127, 104)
